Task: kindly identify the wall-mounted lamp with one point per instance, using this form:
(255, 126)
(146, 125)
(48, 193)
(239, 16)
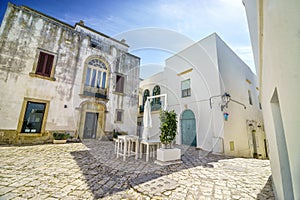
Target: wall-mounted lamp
(226, 98)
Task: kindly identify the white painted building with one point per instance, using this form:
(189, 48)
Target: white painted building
(58, 77)
(194, 80)
(275, 35)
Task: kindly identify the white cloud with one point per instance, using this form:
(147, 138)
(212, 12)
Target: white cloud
(155, 38)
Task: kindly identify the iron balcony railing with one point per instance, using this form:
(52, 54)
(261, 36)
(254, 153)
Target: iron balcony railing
(95, 92)
(155, 106)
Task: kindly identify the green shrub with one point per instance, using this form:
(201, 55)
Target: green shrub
(61, 136)
(168, 126)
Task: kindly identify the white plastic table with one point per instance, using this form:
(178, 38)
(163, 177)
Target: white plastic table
(124, 143)
(148, 143)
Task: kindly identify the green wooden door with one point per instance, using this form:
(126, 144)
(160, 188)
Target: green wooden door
(188, 128)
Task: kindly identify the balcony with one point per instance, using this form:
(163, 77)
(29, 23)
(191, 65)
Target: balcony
(155, 106)
(95, 92)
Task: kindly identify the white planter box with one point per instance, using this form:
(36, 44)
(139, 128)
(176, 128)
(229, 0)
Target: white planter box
(59, 141)
(168, 156)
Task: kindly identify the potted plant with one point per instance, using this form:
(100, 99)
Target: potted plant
(168, 126)
(60, 137)
(115, 134)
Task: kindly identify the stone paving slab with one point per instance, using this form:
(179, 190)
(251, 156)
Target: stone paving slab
(90, 170)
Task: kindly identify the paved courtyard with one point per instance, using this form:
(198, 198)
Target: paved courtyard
(90, 170)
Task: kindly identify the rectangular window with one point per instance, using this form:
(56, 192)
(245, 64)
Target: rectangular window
(94, 45)
(259, 103)
(45, 64)
(33, 117)
(250, 98)
(231, 144)
(119, 115)
(186, 88)
(120, 83)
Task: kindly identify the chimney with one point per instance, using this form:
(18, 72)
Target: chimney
(81, 22)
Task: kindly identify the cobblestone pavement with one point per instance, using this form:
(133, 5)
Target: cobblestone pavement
(90, 170)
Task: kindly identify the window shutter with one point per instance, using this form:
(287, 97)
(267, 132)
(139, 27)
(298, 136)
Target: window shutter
(49, 64)
(119, 83)
(39, 69)
(45, 64)
(122, 84)
(119, 116)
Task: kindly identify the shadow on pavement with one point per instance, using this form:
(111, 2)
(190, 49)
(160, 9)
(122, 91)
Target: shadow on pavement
(106, 175)
(267, 192)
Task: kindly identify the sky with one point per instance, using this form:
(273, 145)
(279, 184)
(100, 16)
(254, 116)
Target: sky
(156, 29)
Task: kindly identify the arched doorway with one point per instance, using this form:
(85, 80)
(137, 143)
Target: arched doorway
(188, 128)
(92, 120)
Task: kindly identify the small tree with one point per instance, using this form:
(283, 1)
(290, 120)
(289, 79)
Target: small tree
(168, 126)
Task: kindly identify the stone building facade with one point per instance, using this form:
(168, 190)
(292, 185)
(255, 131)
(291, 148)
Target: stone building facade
(57, 77)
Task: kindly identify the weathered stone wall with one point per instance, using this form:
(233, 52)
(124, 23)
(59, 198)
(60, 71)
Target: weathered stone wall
(120, 62)
(23, 33)
(128, 65)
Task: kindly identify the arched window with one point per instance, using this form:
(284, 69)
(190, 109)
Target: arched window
(96, 74)
(156, 91)
(146, 94)
(95, 83)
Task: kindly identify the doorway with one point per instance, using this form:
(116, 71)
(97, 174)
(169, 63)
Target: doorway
(255, 155)
(188, 128)
(266, 148)
(92, 120)
(90, 125)
(283, 155)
